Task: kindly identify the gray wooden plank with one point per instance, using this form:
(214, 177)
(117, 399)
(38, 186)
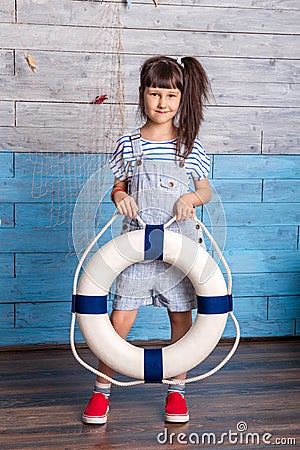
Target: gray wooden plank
(212, 19)
(92, 139)
(6, 62)
(95, 66)
(281, 190)
(203, 18)
(239, 129)
(52, 87)
(212, 44)
(85, 115)
(7, 114)
(273, 122)
(66, 12)
(225, 92)
(69, 38)
(284, 307)
(270, 4)
(7, 10)
(256, 166)
(257, 4)
(256, 94)
(278, 143)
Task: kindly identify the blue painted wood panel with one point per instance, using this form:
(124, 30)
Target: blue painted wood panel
(39, 215)
(258, 238)
(37, 259)
(56, 240)
(34, 336)
(262, 328)
(284, 307)
(7, 266)
(7, 317)
(256, 214)
(6, 215)
(242, 191)
(58, 288)
(256, 166)
(266, 284)
(6, 165)
(249, 261)
(281, 191)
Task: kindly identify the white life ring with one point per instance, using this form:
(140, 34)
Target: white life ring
(153, 242)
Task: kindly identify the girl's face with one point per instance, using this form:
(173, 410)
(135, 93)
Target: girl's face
(161, 105)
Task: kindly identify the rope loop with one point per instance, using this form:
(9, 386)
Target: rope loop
(165, 381)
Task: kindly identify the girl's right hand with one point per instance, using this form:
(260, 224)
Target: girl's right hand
(125, 204)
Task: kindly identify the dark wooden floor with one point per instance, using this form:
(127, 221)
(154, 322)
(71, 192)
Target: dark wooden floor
(43, 393)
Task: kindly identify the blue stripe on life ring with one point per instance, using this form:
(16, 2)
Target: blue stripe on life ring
(214, 305)
(89, 304)
(154, 242)
(153, 365)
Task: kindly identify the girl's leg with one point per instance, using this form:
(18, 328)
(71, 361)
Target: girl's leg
(122, 322)
(176, 409)
(180, 323)
(98, 405)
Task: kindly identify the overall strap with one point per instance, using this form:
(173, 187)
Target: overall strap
(135, 139)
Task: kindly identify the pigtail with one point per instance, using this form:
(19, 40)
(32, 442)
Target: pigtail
(195, 92)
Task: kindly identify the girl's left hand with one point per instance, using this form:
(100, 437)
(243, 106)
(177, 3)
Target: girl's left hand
(184, 208)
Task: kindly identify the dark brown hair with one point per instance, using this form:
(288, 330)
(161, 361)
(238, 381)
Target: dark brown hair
(191, 79)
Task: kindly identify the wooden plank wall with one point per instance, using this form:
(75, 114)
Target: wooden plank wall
(250, 50)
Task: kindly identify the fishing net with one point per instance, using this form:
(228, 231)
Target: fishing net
(60, 174)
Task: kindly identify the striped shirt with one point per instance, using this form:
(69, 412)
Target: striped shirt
(122, 161)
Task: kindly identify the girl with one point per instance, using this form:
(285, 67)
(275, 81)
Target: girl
(152, 168)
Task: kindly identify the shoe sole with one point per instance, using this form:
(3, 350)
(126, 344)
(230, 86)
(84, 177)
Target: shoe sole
(180, 418)
(100, 420)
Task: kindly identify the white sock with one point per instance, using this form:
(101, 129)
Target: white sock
(104, 388)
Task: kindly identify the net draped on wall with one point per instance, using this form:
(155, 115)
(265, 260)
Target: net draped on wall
(63, 173)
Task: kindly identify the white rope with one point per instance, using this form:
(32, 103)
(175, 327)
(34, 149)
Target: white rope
(219, 366)
(90, 368)
(237, 328)
(214, 243)
(165, 381)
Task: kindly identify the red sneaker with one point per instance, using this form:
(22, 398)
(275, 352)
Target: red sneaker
(96, 410)
(176, 409)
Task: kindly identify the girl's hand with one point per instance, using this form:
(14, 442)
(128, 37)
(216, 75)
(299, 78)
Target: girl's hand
(125, 204)
(184, 208)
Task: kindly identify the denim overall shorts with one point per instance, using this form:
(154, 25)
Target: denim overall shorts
(156, 185)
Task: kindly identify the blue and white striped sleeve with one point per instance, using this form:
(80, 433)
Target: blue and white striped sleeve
(117, 163)
(199, 162)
